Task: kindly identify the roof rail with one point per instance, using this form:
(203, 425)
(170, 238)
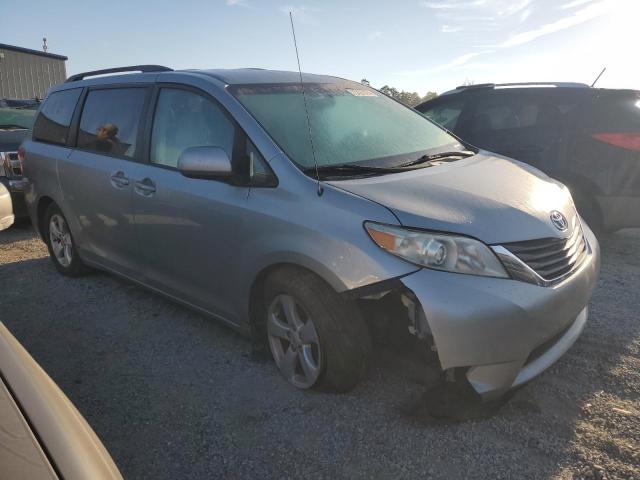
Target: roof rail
(479, 85)
(516, 85)
(543, 84)
(133, 68)
(523, 84)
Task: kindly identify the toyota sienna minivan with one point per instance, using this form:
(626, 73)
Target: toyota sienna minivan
(311, 216)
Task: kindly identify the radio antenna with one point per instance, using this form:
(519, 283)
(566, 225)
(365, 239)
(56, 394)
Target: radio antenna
(306, 109)
(598, 77)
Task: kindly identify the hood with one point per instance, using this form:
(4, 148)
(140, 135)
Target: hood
(489, 197)
(10, 140)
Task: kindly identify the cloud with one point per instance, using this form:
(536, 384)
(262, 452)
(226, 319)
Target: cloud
(374, 35)
(524, 15)
(512, 8)
(478, 66)
(301, 13)
(237, 3)
(588, 13)
(451, 5)
(575, 3)
(456, 62)
(499, 21)
(481, 15)
(450, 29)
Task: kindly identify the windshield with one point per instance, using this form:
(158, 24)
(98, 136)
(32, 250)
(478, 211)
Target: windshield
(350, 123)
(16, 118)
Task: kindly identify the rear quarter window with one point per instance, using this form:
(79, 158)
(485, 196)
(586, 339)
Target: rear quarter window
(617, 112)
(52, 123)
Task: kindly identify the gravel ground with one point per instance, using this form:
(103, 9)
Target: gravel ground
(174, 395)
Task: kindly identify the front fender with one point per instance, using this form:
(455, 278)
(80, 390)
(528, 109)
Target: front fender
(324, 234)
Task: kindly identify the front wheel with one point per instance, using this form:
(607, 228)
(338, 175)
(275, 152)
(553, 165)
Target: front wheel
(60, 244)
(317, 338)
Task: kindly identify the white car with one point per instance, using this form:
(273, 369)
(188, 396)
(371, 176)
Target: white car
(6, 208)
(42, 435)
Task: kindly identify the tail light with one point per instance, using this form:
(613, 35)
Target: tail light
(21, 157)
(628, 141)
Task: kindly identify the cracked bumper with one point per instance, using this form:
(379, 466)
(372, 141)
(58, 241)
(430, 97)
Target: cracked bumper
(504, 332)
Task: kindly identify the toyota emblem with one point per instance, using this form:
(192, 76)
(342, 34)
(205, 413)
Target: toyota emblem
(559, 220)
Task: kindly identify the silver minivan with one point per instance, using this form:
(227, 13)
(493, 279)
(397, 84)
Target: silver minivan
(312, 216)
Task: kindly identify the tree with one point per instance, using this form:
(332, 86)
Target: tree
(410, 99)
(429, 96)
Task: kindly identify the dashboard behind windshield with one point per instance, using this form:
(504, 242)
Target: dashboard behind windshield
(350, 123)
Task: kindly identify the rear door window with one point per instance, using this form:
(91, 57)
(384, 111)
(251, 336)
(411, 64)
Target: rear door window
(52, 124)
(525, 125)
(617, 112)
(110, 121)
(504, 112)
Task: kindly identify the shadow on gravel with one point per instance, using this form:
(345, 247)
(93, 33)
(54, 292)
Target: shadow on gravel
(20, 230)
(444, 402)
(596, 373)
(196, 401)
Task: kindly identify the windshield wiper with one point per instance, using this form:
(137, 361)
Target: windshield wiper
(346, 168)
(438, 156)
(354, 168)
(12, 126)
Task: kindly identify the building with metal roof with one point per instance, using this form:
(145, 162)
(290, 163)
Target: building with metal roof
(26, 73)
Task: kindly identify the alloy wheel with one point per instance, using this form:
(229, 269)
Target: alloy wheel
(61, 241)
(294, 341)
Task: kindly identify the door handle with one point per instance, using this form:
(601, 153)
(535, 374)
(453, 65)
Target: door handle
(145, 187)
(118, 179)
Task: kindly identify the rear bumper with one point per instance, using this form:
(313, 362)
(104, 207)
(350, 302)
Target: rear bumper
(6, 221)
(503, 332)
(16, 189)
(620, 212)
(6, 208)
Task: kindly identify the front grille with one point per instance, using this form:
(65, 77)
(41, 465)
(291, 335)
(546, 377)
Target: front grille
(552, 258)
(12, 164)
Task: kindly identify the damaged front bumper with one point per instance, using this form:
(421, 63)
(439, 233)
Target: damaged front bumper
(502, 332)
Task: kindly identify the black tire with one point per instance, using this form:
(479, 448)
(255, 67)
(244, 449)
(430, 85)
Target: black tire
(344, 338)
(75, 267)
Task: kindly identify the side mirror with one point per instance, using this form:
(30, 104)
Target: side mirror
(205, 162)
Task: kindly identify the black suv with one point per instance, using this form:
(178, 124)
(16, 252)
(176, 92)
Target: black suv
(588, 138)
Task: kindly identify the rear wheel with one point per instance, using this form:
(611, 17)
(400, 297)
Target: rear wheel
(317, 338)
(59, 240)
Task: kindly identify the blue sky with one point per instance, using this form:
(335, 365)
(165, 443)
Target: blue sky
(415, 45)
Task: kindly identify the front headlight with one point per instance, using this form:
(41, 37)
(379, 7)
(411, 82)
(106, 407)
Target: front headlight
(439, 251)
